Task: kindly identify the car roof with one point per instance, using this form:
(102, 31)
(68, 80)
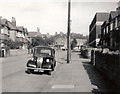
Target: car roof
(43, 47)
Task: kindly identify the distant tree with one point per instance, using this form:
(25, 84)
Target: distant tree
(42, 41)
(73, 44)
(37, 41)
(13, 44)
(49, 41)
(86, 42)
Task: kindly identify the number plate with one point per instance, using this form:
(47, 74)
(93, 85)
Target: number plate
(35, 70)
(41, 70)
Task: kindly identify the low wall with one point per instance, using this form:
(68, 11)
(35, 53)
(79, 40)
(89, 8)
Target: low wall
(86, 53)
(107, 63)
(17, 52)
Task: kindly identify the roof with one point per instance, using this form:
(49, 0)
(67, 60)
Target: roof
(105, 23)
(32, 34)
(7, 23)
(3, 21)
(102, 16)
(20, 28)
(99, 17)
(11, 26)
(113, 14)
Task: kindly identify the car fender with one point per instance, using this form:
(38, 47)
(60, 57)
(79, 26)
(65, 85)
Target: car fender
(29, 61)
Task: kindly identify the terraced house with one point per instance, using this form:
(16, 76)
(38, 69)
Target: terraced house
(4, 37)
(11, 33)
(21, 36)
(5, 34)
(110, 31)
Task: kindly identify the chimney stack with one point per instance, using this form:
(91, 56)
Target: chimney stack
(13, 21)
(38, 31)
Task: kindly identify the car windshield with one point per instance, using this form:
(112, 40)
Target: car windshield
(42, 51)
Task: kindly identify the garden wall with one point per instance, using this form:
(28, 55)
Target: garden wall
(107, 63)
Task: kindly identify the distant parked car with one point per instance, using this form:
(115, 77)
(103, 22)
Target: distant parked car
(84, 51)
(63, 48)
(43, 60)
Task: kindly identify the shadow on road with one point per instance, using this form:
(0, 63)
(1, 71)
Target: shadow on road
(60, 62)
(36, 73)
(99, 81)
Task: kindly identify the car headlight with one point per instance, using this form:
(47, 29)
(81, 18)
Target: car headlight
(47, 60)
(40, 60)
(32, 59)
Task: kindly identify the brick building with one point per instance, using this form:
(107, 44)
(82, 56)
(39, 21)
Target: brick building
(110, 31)
(95, 28)
(9, 31)
(4, 33)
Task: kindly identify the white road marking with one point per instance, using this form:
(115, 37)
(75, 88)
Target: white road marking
(62, 86)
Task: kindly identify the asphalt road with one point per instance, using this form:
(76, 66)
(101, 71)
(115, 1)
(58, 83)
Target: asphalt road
(14, 78)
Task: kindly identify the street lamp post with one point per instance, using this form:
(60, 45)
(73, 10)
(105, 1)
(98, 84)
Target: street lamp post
(68, 33)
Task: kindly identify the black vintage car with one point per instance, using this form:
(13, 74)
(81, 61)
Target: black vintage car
(43, 60)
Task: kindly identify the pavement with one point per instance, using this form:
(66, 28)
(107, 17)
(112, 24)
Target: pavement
(70, 77)
(78, 76)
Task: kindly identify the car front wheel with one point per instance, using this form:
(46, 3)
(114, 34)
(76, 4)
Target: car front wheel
(52, 68)
(49, 72)
(27, 71)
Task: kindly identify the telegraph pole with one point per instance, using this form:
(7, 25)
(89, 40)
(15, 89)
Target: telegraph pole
(68, 33)
(119, 51)
(119, 47)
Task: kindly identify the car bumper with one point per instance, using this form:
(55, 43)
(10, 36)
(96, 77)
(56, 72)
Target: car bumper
(38, 69)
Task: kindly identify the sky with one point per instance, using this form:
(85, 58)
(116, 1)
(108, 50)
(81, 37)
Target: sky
(51, 15)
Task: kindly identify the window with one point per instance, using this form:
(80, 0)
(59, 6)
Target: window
(111, 42)
(119, 21)
(103, 31)
(111, 26)
(42, 51)
(115, 22)
(2, 31)
(106, 29)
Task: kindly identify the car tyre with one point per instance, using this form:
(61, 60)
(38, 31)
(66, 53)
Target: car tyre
(52, 68)
(49, 72)
(28, 71)
(31, 70)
